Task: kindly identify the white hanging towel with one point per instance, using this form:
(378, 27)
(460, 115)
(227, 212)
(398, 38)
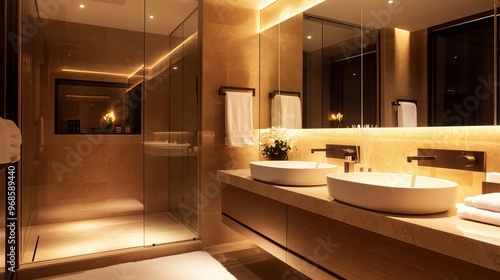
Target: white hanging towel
(239, 119)
(407, 114)
(286, 112)
(10, 142)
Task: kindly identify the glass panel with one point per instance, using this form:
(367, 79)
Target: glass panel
(81, 178)
(82, 193)
(170, 128)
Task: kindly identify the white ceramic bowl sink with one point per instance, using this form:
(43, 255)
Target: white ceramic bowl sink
(291, 173)
(391, 192)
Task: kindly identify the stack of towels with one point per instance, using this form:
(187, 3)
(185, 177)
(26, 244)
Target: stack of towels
(483, 208)
(10, 142)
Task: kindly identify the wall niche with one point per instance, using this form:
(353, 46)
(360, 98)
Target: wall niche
(97, 107)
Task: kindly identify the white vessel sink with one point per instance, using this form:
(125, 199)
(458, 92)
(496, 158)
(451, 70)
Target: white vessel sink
(393, 193)
(291, 173)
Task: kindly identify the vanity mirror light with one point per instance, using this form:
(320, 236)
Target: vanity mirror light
(438, 54)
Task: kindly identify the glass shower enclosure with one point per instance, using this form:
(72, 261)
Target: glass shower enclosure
(109, 121)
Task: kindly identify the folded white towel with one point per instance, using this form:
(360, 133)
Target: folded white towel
(479, 215)
(239, 119)
(286, 112)
(10, 141)
(489, 201)
(407, 114)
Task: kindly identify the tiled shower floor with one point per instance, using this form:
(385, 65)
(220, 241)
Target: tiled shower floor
(69, 239)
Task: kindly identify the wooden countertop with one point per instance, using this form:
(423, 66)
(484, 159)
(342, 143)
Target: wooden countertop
(444, 233)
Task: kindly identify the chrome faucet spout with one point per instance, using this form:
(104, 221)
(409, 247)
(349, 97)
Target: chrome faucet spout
(412, 158)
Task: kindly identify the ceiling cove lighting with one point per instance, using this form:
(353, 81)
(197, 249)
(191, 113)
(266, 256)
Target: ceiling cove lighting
(282, 10)
(93, 72)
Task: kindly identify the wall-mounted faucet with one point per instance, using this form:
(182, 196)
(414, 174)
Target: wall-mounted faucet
(321, 150)
(412, 158)
(338, 151)
(454, 159)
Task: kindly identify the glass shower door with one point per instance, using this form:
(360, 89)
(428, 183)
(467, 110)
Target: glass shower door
(82, 176)
(170, 132)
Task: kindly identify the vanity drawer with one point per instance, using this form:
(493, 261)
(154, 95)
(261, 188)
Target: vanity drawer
(260, 214)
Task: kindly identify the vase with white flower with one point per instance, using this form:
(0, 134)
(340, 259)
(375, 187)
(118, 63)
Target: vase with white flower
(277, 143)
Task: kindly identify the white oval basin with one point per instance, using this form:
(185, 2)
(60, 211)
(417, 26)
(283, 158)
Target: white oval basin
(291, 173)
(390, 192)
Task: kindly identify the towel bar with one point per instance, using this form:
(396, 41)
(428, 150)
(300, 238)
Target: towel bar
(396, 103)
(224, 89)
(281, 92)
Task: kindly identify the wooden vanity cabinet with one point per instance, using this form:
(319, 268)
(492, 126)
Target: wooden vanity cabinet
(355, 253)
(324, 248)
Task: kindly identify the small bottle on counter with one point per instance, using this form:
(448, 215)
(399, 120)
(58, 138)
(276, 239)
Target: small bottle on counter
(127, 127)
(118, 128)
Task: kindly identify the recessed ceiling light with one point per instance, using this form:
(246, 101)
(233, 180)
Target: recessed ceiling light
(309, 37)
(390, 1)
(151, 17)
(82, 6)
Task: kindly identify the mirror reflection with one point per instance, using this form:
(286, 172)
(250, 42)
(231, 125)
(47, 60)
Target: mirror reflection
(336, 71)
(97, 107)
(433, 56)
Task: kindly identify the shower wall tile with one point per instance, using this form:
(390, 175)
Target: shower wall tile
(84, 169)
(125, 161)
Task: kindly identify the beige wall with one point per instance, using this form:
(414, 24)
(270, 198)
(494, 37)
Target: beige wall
(230, 57)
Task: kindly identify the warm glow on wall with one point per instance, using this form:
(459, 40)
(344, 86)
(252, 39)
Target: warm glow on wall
(282, 10)
(264, 3)
(162, 63)
(402, 54)
(402, 38)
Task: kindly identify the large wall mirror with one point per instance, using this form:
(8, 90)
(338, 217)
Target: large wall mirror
(372, 62)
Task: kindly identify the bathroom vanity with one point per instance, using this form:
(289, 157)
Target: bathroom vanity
(325, 239)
